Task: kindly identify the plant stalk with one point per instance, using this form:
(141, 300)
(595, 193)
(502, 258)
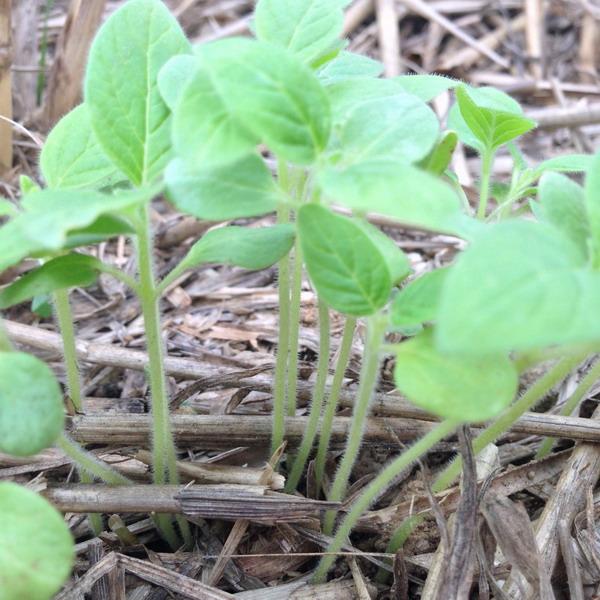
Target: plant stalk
(571, 404)
(334, 396)
(377, 487)
(295, 319)
(64, 317)
(164, 458)
(369, 375)
(283, 345)
(487, 160)
(317, 400)
(5, 345)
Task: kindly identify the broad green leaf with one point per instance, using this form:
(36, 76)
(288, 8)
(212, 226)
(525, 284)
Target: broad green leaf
(347, 95)
(401, 128)
(523, 285)
(72, 156)
(418, 302)
(346, 267)
(463, 389)
(129, 117)
(174, 76)
(42, 306)
(103, 228)
(306, 28)
(426, 87)
(63, 272)
(51, 215)
(248, 91)
(27, 185)
(492, 128)
(570, 163)
(397, 262)
(242, 189)
(36, 547)
(250, 248)
(413, 197)
(348, 65)
(7, 208)
(439, 159)
(31, 405)
(562, 204)
(592, 201)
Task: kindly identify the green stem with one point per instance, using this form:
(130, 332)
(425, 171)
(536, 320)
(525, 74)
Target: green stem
(279, 389)
(577, 396)
(296, 299)
(487, 159)
(317, 400)
(377, 487)
(529, 399)
(5, 345)
(164, 457)
(64, 316)
(130, 282)
(334, 396)
(89, 463)
(95, 519)
(369, 374)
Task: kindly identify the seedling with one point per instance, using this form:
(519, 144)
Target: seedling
(194, 123)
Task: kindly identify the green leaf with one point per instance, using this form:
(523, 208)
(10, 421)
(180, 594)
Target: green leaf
(250, 248)
(570, 163)
(403, 192)
(42, 306)
(129, 117)
(562, 204)
(50, 216)
(174, 76)
(426, 87)
(439, 159)
(492, 128)
(7, 208)
(64, 272)
(401, 128)
(31, 405)
(463, 389)
(246, 92)
(72, 156)
(592, 202)
(418, 302)
(346, 267)
(243, 189)
(36, 547)
(306, 28)
(28, 185)
(397, 262)
(521, 286)
(103, 228)
(348, 65)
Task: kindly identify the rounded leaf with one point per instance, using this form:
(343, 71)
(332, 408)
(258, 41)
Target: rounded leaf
(31, 405)
(36, 547)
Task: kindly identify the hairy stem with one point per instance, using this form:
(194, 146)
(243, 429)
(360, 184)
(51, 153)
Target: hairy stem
(279, 388)
(571, 404)
(369, 374)
(164, 458)
(317, 400)
(64, 317)
(377, 487)
(334, 396)
(487, 159)
(296, 298)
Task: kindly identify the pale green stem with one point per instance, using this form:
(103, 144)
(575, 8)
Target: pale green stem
(5, 345)
(537, 392)
(571, 404)
(164, 457)
(369, 375)
(95, 519)
(317, 400)
(487, 160)
(333, 399)
(279, 388)
(64, 316)
(89, 463)
(295, 319)
(377, 487)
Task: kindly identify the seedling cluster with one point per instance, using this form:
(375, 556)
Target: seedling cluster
(289, 122)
